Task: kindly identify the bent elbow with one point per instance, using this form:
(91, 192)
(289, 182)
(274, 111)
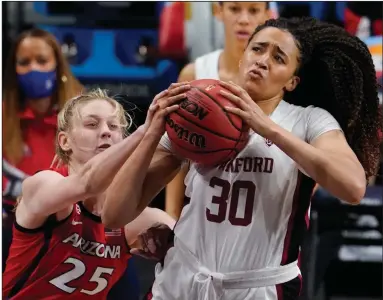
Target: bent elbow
(356, 194)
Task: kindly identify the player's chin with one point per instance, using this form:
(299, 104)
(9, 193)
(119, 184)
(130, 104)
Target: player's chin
(99, 150)
(242, 41)
(253, 87)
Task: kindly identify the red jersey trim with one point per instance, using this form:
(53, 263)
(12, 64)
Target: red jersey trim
(88, 214)
(49, 224)
(35, 262)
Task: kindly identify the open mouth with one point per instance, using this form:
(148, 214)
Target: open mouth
(104, 146)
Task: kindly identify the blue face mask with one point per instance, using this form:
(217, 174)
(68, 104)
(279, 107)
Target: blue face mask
(37, 84)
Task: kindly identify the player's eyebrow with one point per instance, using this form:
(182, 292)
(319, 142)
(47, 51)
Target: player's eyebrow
(267, 44)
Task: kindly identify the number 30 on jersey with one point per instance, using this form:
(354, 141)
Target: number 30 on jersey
(247, 186)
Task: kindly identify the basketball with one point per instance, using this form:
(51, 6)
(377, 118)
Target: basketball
(201, 130)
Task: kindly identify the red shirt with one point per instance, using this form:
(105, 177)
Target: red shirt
(39, 150)
(76, 258)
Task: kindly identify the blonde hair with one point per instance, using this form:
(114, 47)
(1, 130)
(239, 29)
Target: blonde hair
(71, 110)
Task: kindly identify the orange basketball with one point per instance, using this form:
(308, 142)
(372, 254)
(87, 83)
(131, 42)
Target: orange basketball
(201, 130)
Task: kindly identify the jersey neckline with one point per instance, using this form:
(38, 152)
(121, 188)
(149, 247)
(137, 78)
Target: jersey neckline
(88, 214)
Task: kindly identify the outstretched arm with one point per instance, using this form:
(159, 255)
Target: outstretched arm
(48, 192)
(175, 190)
(147, 170)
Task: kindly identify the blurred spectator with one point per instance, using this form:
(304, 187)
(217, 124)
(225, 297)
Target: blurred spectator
(364, 19)
(38, 81)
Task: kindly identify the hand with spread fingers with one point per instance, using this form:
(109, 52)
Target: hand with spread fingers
(154, 242)
(247, 109)
(163, 104)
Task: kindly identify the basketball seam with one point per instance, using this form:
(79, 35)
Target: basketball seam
(207, 151)
(235, 147)
(216, 102)
(208, 130)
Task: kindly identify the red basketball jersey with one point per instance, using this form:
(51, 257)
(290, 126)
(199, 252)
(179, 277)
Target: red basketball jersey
(76, 258)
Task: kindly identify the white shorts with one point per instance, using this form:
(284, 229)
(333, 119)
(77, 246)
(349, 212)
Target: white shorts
(183, 278)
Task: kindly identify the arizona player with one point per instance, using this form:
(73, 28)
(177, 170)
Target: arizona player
(239, 21)
(60, 248)
(308, 92)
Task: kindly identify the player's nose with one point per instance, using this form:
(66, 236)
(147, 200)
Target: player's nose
(243, 18)
(105, 131)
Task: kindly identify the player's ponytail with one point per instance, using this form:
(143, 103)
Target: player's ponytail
(337, 74)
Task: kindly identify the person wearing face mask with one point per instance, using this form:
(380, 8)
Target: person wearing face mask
(239, 21)
(38, 82)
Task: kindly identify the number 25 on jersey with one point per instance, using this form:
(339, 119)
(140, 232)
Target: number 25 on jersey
(76, 272)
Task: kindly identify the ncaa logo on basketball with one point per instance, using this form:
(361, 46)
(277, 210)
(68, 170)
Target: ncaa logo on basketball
(268, 142)
(210, 87)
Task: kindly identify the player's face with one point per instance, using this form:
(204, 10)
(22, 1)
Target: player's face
(95, 129)
(269, 63)
(240, 19)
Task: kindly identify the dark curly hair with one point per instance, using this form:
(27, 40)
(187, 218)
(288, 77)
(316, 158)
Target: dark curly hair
(337, 74)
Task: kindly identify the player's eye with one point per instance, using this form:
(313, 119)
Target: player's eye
(279, 59)
(234, 9)
(254, 11)
(23, 62)
(91, 124)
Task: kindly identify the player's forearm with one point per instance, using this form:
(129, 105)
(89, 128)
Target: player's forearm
(148, 218)
(99, 171)
(124, 194)
(175, 192)
(337, 174)
(173, 207)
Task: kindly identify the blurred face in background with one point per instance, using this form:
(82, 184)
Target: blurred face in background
(34, 54)
(240, 20)
(36, 69)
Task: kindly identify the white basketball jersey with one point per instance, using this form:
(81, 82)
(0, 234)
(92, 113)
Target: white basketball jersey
(206, 66)
(250, 213)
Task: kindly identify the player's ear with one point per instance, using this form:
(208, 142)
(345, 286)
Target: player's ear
(292, 83)
(64, 141)
(217, 10)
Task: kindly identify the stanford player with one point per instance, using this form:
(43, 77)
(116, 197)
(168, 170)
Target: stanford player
(308, 92)
(239, 20)
(60, 248)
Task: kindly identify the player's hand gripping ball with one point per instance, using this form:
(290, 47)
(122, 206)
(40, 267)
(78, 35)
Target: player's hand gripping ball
(154, 243)
(201, 130)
